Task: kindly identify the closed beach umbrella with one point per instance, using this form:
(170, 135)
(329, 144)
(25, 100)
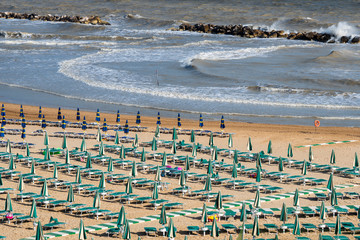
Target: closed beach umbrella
(96, 202)
(173, 148)
(332, 157)
(157, 131)
(236, 156)
(222, 123)
(43, 122)
(59, 114)
(47, 154)
(258, 174)
(101, 149)
(283, 215)
(8, 146)
(122, 152)
(78, 115)
(182, 179)
(297, 230)
(118, 117)
(2, 132)
(214, 229)
(117, 140)
(194, 151)
(88, 161)
(121, 218)
(358, 213)
(208, 186)
(171, 234)
(44, 190)
(187, 163)
(129, 188)
(249, 145)
(70, 197)
(110, 165)
(322, 212)
(162, 219)
(97, 117)
(214, 153)
(3, 114)
(258, 161)
(12, 165)
(32, 171)
(133, 172)
(33, 212)
(356, 162)
(8, 205)
(126, 235)
(304, 168)
(21, 184)
(269, 149)
(218, 202)
(211, 140)
(201, 122)
(154, 145)
(257, 199)
(311, 155)
(63, 123)
(158, 122)
(23, 122)
(210, 169)
(330, 183)
(192, 136)
(3, 121)
(64, 143)
(234, 173)
(255, 230)
(138, 119)
(281, 165)
(290, 152)
(102, 184)
(55, 173)
(230, 141)
(174, 135)
(155, 194)
(179, 121)
(296, 202)
(126, 127)
(136, 142)
(204, 216)
(78, 176)
(98, 135)
(158, 174)
(83, 145)
(143, 156)
(241, 235)
(243, 212)
(39, 232)
(27, 150)
(338, 225)
(333, 198)
(84, 124)
(21, 111)
(23, 134)
(67, 157)
(46, 139)
(82, 231)
(105, 128)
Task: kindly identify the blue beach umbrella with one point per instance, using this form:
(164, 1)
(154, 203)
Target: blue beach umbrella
(118, 117)
(78, 115)
(201, 122)
(40, 113)
(222, 123)
(3, 113)
(43, 122)
(158, 122)
(2, 132)
(23, 134)
(104, 128)
(126, 128)
(179, 121)
(21, 111)
(23, 122)
(63, 123)
(59, 114)
(97, 118)
(84, 124)
(138, 120)
(3, 121)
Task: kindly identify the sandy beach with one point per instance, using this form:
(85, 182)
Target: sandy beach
(280, 135)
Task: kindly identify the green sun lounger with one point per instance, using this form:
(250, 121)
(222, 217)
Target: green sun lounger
(340, 237)
(229, 227)
(309, 226)
(271, 226)
(113, 231)
(192, 229)
(53, 223)
(150, 230)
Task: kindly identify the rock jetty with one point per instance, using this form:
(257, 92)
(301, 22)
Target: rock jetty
(94, 20)
(250, 32)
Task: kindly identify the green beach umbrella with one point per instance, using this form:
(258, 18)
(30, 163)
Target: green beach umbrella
(55, 173)
(67, 157)
(32, 171)
(46, 139)
(356, 162)
(194, 151)
(98, 135)
(283, 215)
(158, 174)
(311, 155)
(129, 188)
(78, 176)
(102, 181)
(204, 216)
(101, 149)
(322, 212)
(234, 173)
(297, 229)
(211, 140)
(230, 141)
(182, 179)
(214, 153)
(122, 152)
(8, 205)
(218, 202)
(96, 202)
(164, 160)
(296, 202)
(155, 193)
(192, 136)
(333, 198)
(208, 186)
(110, 165)
(162, 219)
(39, 232)
(157, 131)
(154, 145)
(281, 165)
(358, 213)
(83, 145)
(241, 235)
(174, 135)
(290, 151)
(47, 154)
(236, 156)
(8, 146)
(70, 197)
(143, 156)
(330, 183)
(210, 169)
(257, 199)
(249, 145)
(187, 163)
(64, 143)
(135, 143)
(121, 218)
(27, 150)
(243, 212)
(117, 140)
(258, 161)
(82, 231)
(214, 229)
(332, 157)
(88, 161)
(44, 190)
(269, 149)
(338, 225)
(1, 182)
(21, 184)
(255, 230)
(304, 168)
(258, 174)
(133, 172)
(171, 234)
(33, 212)
(126, 235)
(12, 165)
(173, 148)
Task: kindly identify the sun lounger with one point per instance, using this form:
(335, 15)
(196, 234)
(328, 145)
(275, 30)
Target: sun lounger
(173, 204)
(192, 229)
(309, 226)
(352, 195)
(271, 226)
(350, 226)
(113, 231)
(22, 219)
(143, 199)
(53, 223)
(302, 238)
(340, 237)
(74, 207)
(229, 227)
(150, 230)
(321, 196)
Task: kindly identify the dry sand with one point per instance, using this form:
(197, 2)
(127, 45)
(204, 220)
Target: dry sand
(280, 135)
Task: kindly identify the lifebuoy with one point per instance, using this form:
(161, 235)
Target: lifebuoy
(317, 123)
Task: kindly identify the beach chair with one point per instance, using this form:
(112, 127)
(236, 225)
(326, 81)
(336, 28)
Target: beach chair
(340, 237)
(53, 223)
(173, 204)
(150, 230)
(113, 231)
(229, 227)
(309, 226)
(271, 226)
(321, 196)
(302, 238)
(350, 227)
(192, 229)
(229, 213)
(352, 195)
